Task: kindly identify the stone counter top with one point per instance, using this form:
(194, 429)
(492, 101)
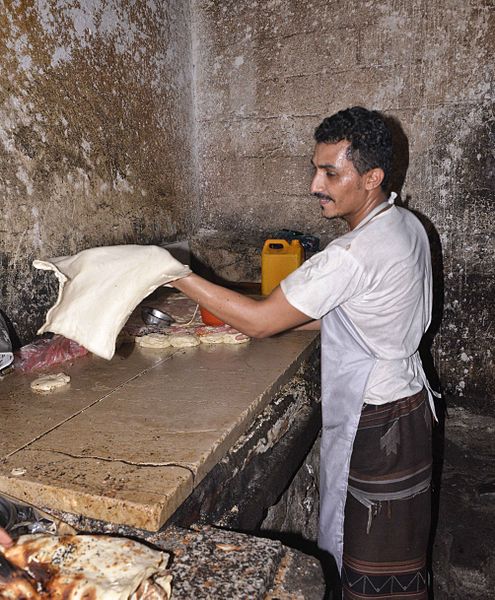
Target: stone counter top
(129, 439)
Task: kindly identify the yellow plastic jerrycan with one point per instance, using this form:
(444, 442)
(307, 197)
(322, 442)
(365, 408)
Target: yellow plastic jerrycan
(278, 259)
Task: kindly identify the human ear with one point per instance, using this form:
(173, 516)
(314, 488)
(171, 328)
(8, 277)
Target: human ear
(374, 178)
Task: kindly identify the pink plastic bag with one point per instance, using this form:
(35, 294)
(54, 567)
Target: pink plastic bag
(45, 353)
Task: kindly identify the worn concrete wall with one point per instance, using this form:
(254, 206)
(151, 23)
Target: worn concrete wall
(96, 144)
(97, 135)
(268, 72)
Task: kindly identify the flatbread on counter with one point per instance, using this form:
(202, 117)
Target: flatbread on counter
(85, 566)
(100, 287)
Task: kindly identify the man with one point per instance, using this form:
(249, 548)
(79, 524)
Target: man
(371, 288)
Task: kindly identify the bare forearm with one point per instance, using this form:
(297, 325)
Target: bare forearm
(230, 306)
(257, 318)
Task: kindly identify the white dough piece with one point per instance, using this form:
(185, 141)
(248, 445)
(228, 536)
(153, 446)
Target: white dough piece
(183, 340)
(224, 337)
(236, 338)
(153, 340)
(213, 338)
(100, 287)
(47, 383)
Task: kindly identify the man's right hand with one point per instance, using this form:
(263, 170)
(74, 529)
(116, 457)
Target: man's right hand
(5, 539)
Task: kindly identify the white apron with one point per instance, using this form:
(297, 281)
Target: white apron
(347, 362)
(346, 365)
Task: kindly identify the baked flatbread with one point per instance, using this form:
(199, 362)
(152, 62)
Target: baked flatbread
(85, 566)
(100, 287)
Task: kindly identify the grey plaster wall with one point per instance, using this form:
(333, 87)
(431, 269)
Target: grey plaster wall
(96, 143)
(268, 72)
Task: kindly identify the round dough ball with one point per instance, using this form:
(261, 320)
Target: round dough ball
(183, 340)
(212, 338)
(47, 383)
(235, 338)
(153, 340)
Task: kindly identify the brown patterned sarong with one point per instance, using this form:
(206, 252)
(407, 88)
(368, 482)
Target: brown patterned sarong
(387, 514)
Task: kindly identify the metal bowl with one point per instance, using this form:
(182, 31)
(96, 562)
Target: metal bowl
(155, 317)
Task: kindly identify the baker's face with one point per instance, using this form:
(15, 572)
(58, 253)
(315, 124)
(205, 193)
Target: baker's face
(340, 188)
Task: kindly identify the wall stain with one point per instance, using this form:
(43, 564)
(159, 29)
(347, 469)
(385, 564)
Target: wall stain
(95, 121)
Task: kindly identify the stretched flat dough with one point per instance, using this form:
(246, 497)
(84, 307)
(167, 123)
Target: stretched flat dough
(47, 383)
(100, 287)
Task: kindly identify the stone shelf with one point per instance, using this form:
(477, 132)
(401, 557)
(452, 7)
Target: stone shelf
(130, 439)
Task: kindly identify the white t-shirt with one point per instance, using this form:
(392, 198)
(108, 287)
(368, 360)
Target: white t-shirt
(380, 275)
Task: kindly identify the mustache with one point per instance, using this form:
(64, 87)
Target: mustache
(321, 196)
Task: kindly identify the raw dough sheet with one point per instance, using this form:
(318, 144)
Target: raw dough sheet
(100, 287)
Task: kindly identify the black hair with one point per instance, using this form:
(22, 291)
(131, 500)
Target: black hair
(370, 138)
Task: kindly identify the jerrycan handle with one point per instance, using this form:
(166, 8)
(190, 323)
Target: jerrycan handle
(276, 244)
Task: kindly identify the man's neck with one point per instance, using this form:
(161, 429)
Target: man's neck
(372, 202)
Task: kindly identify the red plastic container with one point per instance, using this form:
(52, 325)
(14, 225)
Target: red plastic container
(209, 319)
